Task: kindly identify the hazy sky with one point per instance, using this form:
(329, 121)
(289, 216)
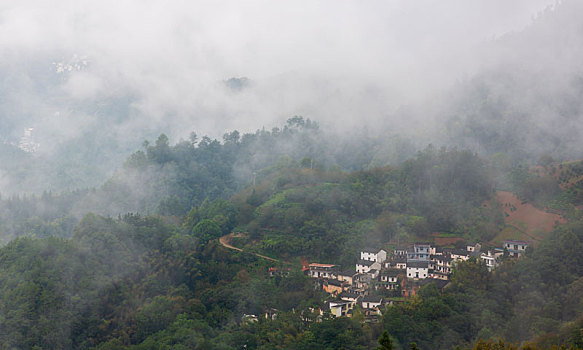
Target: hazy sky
(331, 61)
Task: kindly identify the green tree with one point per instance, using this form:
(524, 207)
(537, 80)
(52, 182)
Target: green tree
(385, 342)
(206, 230)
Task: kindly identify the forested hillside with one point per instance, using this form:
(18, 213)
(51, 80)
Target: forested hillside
(159, 278)
(437, 204)
(170, 179)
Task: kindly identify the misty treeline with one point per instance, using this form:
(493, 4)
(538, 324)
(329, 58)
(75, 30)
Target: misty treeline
(170, 179)
(164, 281)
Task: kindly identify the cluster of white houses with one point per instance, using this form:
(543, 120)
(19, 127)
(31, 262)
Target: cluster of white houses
(380, 278)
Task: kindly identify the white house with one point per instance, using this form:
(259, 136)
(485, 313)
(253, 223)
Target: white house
(398, 262)
(348, 296)
(373, 255)
(440, 266)
(323, 271)
(460, 255)
(364, 266)
(516, 248)
(371, 302)
(491, 259)
(400, 251)
(341, 308)
(417, 269)
(390, 275)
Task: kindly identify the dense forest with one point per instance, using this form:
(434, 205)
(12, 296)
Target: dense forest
(156, 276)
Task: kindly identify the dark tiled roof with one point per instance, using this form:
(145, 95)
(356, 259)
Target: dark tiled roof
(441, 257)
(391, 272)
(370, 250)
(372, 299)
(365, 262)
(349, 295)
(347, 273)
(461, 252)
(399, 259)
(418, 264)
(335, 283)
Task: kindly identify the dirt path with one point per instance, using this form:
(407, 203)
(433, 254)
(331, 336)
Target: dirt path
(226, 242)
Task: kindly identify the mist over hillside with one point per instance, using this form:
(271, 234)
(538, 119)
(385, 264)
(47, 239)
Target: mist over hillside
(291, 175)
(95, 81)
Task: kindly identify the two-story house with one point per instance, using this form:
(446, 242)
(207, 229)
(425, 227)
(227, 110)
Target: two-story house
(418, 269)
(516, 248)
(341, 308)
(420, 251)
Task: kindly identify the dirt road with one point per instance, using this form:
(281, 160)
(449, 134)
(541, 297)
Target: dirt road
(226, 242)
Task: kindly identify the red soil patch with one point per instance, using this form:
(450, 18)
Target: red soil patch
(526, 216)
(446, 241)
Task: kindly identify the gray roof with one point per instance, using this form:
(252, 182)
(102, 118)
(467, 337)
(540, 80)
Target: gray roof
(349, 295)
(418, 264)
(365, 262)
(399, 259)
(441, 257)
(335, 283)
(393, 272)
(347, 273)
(372, 299)
(370, 250)
(461, 252)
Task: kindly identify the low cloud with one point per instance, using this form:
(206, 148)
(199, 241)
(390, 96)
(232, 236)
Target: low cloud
(139, 68)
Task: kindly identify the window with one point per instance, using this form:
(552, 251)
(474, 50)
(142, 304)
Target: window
(516, 247)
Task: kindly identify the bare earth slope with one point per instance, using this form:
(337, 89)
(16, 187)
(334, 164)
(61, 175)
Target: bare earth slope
(535, 223)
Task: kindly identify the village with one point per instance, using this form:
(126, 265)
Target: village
(381, 278)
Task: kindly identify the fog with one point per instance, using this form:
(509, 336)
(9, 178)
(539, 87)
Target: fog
(129, 70)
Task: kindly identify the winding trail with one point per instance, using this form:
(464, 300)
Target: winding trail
(225, 241)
